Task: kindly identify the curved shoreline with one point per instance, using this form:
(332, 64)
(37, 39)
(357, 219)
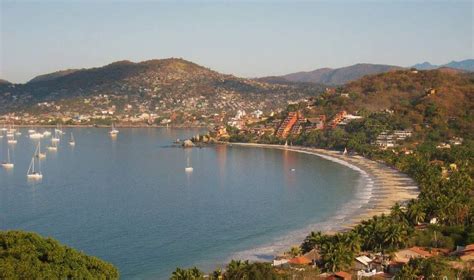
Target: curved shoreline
(381, 188)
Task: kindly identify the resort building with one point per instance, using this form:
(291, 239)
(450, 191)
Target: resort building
(316, 123)
(287, 124)
(339, 117)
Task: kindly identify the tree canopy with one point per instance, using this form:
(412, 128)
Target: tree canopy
(27, 255)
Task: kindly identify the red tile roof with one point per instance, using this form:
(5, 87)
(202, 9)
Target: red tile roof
(420, 251)
(469, 247)
(343, 274)
(300, 260)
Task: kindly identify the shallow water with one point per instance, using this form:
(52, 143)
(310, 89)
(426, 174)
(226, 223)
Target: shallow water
(129, 201)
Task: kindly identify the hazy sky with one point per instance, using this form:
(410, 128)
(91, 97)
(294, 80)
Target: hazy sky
(243, 38)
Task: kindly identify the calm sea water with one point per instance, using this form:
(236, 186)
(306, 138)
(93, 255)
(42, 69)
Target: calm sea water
(129, 201)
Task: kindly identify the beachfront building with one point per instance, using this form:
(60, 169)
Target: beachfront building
(287, 124)
(316, 123)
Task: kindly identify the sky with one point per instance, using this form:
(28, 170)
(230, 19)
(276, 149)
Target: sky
(247, 39)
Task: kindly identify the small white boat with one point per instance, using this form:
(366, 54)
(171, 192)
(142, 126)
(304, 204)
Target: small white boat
(55, 138)
(4, 128)
(38, 152)
(36, 135)
(188, 168)
(72, 142)
(8, 164)
(46, 133)
(113, 131)
(34, 172)
(31, 131)
(18, 133)
(53, 147)
(345, 152)
(12, 140)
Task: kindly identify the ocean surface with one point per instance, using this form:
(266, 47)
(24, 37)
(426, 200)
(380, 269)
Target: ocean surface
(129, 200)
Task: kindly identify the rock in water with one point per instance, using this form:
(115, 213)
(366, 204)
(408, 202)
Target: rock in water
(188, 143)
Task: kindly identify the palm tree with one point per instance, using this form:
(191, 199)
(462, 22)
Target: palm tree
(397, 213)
(294, 251)
(312, 241)
(336, 256)
(415, 212)
(236, 269)
(179, 274)
(187, 274)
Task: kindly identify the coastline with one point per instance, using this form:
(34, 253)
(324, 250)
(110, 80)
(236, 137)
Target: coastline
(102, 126)
(380, 188)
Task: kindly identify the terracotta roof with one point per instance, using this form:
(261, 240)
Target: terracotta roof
(300, 260)
(343, 274)
(420, 251)
(469, 247)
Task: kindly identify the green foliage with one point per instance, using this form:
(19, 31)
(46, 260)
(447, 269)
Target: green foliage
(187, 274)
(25, 255)
(430, 268)
(238, 270)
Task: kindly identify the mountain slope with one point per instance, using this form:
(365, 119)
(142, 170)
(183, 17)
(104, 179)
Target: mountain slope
(339, 76)
(165, 87)
(4, 82)
(52, 76)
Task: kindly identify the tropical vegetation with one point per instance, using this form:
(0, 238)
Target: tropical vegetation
(26, 255)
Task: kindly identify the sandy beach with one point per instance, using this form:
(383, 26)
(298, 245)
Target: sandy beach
(389, 185)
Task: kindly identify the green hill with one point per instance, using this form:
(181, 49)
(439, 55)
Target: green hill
(25, 255)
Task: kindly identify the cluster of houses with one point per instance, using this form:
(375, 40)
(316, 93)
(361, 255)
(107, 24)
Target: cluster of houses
(388, 139)
(452, 142)
(380, 266)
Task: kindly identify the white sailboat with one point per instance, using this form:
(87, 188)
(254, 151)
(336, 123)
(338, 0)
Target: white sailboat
(188, 168)
(34, 172)
(345, 152)
(72, 142)
(113, 131)
(46, 133)
(53, 147)
(36, 135)
(55, 138)
(38, 152)
(12, 140)
(8, 164)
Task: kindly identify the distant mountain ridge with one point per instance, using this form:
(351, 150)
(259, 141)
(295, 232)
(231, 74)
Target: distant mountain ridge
(337, 76)
(466, 65)
(4, 82)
